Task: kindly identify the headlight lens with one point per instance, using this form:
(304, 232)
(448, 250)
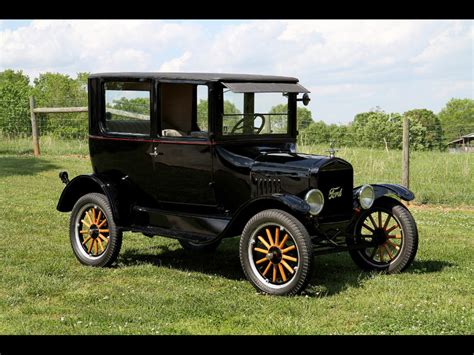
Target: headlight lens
(366, 196)
(315, 199)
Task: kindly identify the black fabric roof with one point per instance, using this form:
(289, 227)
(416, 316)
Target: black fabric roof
(200, 77)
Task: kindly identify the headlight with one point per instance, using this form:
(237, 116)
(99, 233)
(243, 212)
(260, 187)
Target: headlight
(315, 199)
(366, 196)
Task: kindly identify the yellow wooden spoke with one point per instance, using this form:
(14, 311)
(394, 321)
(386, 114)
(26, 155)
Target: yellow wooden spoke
(274, 273)
(103, 231)
(282, 272)
(260, 250)
(288, 267)
(101, 245)
(288, 249)
(277, 235)
(86, 240)
(391, 228)
(97, 220)
(286, 257)
(89, 218)
(83, 232)
(102, 223)
(387, 221)
(285, 238)
(102, 237)
(388, 252)
(381, 255)
(264, 242)
(261, 260)
(269, 235)
(90, 246)
(393, 245)
(96, 244)
(372, 221)
(396, 236)
(267, 268)
(367, 227)
(84, 222)
(380, 219)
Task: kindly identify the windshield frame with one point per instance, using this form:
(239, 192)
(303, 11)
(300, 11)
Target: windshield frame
(219, 114)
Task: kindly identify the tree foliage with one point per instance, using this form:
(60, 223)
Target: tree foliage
(15, 90)
(457, 118)
(60, 90)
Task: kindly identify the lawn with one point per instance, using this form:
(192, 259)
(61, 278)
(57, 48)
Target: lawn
(158, 288)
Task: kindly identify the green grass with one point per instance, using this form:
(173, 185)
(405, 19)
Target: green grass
(158, 288)
(435, 177)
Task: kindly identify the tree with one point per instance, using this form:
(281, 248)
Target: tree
(457, 118)
(15, 90)
(425, 130)
(377, 129)
(303, 115)
(60, 90)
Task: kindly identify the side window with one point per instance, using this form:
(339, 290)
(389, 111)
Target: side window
(127, 107)
(184, 110)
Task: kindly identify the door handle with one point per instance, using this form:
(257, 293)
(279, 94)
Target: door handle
(155, 152)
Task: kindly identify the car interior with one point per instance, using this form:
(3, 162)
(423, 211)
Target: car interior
(178, 114)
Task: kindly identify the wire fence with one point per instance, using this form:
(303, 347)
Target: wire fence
(73, 127)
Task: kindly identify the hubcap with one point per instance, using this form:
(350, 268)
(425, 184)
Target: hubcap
(274, 255)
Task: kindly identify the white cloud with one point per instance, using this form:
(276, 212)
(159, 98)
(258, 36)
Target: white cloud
(176, 64)
(369, 62)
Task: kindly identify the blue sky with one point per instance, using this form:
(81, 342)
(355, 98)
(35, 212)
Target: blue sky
(350, 66)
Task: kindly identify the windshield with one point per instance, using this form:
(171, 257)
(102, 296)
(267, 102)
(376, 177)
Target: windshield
(255, 113)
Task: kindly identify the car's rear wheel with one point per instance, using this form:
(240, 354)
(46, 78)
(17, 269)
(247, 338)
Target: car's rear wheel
(95, 239)
(276, 253)
(392, 231)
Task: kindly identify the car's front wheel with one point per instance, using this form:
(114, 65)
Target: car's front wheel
(392, 231)
(276, 253)
(95, 239)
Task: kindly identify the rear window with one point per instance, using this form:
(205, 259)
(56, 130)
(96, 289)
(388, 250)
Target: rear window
(127, 107)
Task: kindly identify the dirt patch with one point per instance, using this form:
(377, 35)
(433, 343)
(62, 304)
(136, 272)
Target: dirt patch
(440, 208)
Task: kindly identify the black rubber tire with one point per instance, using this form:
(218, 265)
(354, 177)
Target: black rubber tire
(410, 237)
(200, 248)
(112, 249)
(302, 240)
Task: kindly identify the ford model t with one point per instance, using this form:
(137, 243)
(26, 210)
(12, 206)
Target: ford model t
(202, 157)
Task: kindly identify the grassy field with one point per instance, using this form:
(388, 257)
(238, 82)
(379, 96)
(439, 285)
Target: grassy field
(158, 288)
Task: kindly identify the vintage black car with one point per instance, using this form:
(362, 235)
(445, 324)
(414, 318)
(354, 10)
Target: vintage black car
(201, 157)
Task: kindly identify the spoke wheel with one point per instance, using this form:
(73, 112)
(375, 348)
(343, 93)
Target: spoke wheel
(276, 253)
(392, 233)
(93, 230)
(382, 229)
(95, 239)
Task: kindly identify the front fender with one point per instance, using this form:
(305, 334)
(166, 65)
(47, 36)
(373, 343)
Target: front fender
(288, 202)
(84, 184)
(389, 190)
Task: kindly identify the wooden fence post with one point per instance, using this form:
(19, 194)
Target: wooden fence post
(34, 128)
(406, 153)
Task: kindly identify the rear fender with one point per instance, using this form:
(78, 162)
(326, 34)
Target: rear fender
(84, 184)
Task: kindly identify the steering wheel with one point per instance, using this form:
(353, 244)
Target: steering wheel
(240, 125)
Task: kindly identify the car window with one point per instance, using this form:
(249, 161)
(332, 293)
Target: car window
(255, 113)
(184, 110)
(127, 107)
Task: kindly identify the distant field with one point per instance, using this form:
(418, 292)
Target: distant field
(435, 177)
(158, 288)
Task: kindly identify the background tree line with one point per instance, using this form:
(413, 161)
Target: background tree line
(375, 129)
